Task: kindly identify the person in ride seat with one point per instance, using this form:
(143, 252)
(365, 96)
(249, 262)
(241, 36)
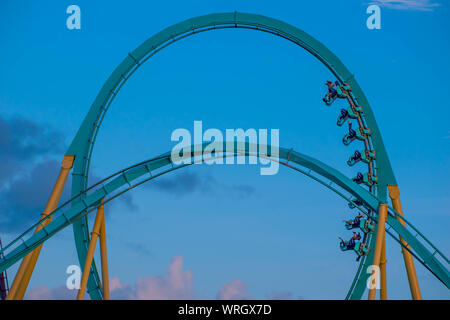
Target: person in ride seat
(351, 132)
(356, 155)
(354, 203)
(331, 90)
(359, 178)
(332, 93)
(356, 220)
(352, 241)
(350, 244)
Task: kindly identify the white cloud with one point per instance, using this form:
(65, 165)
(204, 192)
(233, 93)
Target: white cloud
(176, 284)
(235, 290)
(46, 293)
(418, 5)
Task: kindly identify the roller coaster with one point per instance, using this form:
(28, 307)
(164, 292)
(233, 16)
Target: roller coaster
(367, 192)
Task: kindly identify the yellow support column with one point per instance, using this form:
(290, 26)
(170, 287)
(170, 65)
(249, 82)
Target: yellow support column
(382, 213)
(26, 268)
(90, 254)
(394, 194)
(383, 282)
(104, 259)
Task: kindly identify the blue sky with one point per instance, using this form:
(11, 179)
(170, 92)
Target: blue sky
(230, 228)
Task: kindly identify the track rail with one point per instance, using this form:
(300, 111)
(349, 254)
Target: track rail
(134, 176)
(83, 144)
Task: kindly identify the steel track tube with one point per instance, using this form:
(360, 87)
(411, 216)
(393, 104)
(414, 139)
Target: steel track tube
(394, 194)
(104, 261)
(90, 254)
(28, 264)
(382, 213)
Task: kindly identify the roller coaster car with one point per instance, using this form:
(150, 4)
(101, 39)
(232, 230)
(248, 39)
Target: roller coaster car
(336, 91)
(342, 89)
(329, 99)
(346, 246)
(343, 116)
(351, 226)
(367, 178)
(354, 203)
(360, 134)
(349, 137)
(361, 249)
(349, 113)
(356, 157)
(364, 156)
(366, 226)
(367, 156)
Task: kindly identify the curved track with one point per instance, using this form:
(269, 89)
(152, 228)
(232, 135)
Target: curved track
(131, 177)
(87, 199)
(83, 144)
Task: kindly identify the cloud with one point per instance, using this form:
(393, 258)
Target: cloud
(175, 285)
(181, 184)
(416, 5)
(28, 173)
(138, 248)
(45, 293)
(235, 290)
(185, 183)
(21, 142)
(25, 185)
(121, 291)
(24, 200)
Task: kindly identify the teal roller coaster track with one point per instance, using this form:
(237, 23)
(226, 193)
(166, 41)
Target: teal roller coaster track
(86, 199)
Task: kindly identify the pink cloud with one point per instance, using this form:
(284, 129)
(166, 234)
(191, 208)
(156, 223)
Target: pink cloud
(419, 5)
(176, 284)
(46, 293)
(235, 290)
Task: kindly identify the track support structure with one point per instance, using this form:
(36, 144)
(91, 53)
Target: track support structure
(23, 276)
(394, 194)
(104, 260)
(98, 230)
(382, 213)
(383, 281)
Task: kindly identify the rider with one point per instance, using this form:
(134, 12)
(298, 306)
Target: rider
(351, 243)
(354, 203)
(354, 221)
(351, 132)
(356, 155)
(332, 93)
(331, 89)
(359, 178)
